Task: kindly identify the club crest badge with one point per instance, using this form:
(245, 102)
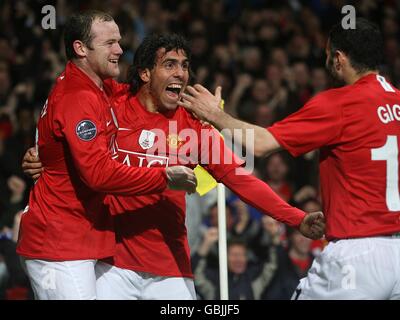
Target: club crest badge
(146, 139)
(174, 141)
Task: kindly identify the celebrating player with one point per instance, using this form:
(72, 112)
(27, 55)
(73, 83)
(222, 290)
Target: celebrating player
(152, 259)
(356, 128)
(66, 227)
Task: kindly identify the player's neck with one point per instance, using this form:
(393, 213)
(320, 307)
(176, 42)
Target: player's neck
(146, 100)
(353, 76)
(89, 72)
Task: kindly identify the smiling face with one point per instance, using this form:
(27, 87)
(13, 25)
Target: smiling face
(167, 79)
(104, 52)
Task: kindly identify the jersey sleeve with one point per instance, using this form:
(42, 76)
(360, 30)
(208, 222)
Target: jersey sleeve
(318, 123)
(215, 156)
(124, 204)
(259, 195)
(79, 121)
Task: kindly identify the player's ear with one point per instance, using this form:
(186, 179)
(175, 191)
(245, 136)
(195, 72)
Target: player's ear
(79, 48)
(145, 75)
(340, 59)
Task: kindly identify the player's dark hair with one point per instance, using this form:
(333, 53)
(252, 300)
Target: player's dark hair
(79, 26)
(363, 45)
(146, 55)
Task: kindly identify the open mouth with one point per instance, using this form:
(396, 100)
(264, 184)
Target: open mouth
(115, 61)
(174, 89)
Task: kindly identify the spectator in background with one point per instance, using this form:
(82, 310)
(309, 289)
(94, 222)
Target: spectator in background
(247, 221)
(23, 136)
(14, 284)
(211, 221)
(264, 115)
(276, 175)
(293, 265)
(16, 203)
(245, 281)
(319, 80)
(271, 233)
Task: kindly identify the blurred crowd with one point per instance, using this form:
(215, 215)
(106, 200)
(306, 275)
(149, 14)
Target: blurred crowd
(268, 56)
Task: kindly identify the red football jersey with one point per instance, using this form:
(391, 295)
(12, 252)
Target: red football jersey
(150, 230)
(66, 218)
(356, 128)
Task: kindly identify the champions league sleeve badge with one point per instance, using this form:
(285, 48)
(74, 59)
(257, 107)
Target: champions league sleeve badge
(146, 139)
(86, 130)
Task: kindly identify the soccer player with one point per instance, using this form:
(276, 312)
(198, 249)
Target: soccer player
(66, 227)
(356, 128)
(152, 259)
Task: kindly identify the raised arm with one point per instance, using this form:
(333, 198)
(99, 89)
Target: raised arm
(227, 169)
(205, 105)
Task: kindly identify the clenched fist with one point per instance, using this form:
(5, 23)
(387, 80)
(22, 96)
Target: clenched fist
(181, 178)
(313, 225)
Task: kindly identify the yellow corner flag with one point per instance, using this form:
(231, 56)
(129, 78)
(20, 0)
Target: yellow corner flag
(205, 181)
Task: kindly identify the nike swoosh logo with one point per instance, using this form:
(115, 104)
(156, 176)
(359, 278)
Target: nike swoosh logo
(124, 129)
(108, 123)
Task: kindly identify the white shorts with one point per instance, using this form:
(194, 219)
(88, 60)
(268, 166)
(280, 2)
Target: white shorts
(115, 283)
(61, 280)
(359, 269)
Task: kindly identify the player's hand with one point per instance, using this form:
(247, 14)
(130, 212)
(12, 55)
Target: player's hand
(181, 178)
(31, 164)
(313, 225)
(202, 102)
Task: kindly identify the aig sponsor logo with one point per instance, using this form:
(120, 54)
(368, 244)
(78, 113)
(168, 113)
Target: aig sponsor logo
(188, 146)
(136, 159)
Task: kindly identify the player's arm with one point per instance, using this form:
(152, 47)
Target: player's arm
(260, 195)
(206, 106)
(178, 177)
(257, 193)
(318, 123)
(79, 123)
